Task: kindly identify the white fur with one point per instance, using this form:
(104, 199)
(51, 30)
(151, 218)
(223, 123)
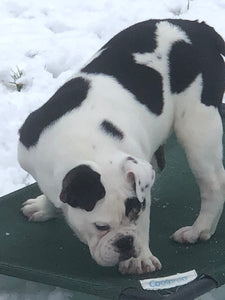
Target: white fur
(58, 150)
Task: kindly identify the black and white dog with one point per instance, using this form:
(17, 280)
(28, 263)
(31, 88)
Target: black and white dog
(90, 145)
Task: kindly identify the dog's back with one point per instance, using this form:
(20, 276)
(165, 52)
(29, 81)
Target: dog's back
(195, 51)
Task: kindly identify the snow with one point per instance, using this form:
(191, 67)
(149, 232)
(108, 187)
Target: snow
(18, 289)
(48, 41)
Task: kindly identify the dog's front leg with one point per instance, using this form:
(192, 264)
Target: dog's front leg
(145, 262)
(39, 209)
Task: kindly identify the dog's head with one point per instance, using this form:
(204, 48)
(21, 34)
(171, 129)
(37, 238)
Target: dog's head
(104, 204)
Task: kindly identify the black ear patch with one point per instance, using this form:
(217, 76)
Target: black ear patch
(82, 188)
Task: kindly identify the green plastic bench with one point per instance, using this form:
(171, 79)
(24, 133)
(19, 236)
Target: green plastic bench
(50, 253)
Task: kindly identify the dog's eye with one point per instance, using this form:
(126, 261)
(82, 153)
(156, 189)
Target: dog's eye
(102, 227)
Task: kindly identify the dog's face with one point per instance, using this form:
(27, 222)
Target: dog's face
(105, 204)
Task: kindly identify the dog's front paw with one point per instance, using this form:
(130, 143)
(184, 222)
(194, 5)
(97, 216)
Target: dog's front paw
(39, 209)
(190, 234)
(144, 263)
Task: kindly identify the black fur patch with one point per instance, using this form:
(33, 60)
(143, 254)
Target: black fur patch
(68, 97)
(186, 61)
(133, 207)
(117, 60)
(184, 66)
(112, 130)
(82, 188)
(200, 57)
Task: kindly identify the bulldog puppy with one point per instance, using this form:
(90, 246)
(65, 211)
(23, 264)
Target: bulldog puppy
(90, 145)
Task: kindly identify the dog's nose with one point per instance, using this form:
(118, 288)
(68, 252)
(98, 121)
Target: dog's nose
(125, 244)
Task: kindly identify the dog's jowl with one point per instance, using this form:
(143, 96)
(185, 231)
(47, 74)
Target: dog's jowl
(90, 147)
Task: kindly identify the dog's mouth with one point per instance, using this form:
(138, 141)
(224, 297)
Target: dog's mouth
(128, 255)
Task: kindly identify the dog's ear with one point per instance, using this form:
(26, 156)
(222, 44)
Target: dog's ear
(141, 174)
(82, 188)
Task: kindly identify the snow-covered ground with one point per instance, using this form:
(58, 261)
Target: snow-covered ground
(43, 43)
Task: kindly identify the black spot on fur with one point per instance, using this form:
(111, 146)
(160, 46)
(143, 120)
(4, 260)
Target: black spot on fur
(68, 97)
(132, 159)
(82, 188)
(183, 60)
(117, 60)
(202, 56)
(112, 130)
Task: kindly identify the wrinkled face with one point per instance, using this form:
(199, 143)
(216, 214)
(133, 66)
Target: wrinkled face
(104, 210)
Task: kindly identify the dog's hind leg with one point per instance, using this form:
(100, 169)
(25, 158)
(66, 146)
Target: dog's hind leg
(39, 209)
(199, 130)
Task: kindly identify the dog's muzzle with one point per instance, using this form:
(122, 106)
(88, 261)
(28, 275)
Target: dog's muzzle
(125, 247)
(116, 246)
